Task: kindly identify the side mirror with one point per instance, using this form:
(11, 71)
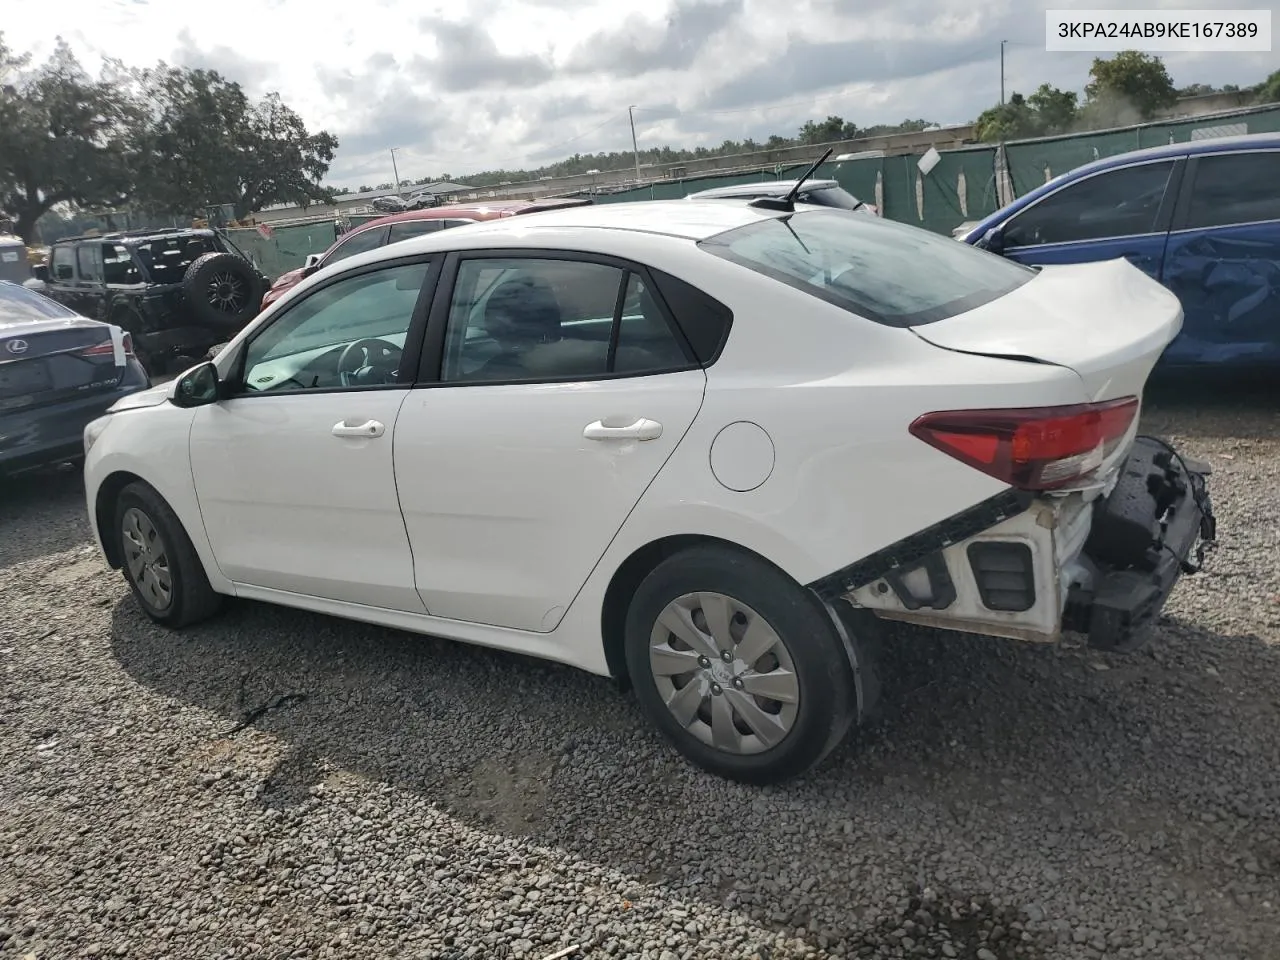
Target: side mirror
(311, 264)
(197, 387)
(41, 272)
(992, 240)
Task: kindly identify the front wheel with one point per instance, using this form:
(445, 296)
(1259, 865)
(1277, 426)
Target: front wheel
(159, 560)
(738, 666)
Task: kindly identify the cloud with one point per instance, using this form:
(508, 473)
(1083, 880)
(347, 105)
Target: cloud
(254, 75)
(468, 59)
(639, 45)
(518, 83)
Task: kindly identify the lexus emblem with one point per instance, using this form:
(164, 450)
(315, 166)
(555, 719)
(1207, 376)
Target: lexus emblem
(16, 346)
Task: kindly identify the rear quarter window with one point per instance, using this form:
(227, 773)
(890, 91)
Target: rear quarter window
(891, 273)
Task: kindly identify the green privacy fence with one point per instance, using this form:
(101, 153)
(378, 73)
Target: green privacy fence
(959, 188)
(962, 186)
(1032, 162)
(284, 248)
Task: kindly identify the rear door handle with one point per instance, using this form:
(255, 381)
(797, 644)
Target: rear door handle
(642, 429)
(370, 428)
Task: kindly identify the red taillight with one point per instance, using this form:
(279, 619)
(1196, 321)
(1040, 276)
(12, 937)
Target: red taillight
(106, 349)
(1038, 448)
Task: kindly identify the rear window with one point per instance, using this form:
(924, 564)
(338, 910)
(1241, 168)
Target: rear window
(891, 273)
(18, 305)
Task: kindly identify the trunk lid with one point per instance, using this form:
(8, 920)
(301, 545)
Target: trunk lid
(51, 361)
(1108, 322)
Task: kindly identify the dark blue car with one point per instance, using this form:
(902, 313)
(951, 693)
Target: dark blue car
(1202, 217)
(58, 371)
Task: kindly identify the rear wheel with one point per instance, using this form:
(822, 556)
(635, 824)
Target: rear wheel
(739, 666)
(160, 562)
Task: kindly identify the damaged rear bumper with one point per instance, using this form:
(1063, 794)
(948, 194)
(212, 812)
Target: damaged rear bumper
(1100, 562)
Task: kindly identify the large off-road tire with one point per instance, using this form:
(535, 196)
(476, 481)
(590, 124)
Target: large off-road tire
(160, 563)
(740, 667)
(222, 291)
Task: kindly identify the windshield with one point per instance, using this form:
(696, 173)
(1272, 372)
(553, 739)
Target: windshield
(891, 273)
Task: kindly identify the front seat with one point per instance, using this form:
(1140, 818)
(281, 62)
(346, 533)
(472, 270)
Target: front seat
(521, 313)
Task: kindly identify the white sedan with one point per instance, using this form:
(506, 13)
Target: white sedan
(698, 447)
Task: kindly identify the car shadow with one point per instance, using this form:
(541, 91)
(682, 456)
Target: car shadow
(974, 730)
(1213, 405)
(41, 512)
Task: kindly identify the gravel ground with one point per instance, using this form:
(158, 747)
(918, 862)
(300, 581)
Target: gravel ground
(412, 798)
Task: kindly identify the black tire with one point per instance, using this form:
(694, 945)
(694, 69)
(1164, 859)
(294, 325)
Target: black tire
(827, 700)
(190, 598)
(222, 290)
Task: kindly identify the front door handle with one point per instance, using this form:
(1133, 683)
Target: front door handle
(642, 429)
(370, 428)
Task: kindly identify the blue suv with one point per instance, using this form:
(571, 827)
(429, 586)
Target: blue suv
(1202, 217)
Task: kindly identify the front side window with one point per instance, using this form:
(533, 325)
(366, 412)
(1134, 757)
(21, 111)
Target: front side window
(525, 319)
(1117, 203)
(1235, 188)
(357, 243)
(888, 272)
(350, 333)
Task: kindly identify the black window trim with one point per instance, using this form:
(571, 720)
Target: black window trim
(413, 341)
(1182, 211)
(1164, 215)
(432, 358)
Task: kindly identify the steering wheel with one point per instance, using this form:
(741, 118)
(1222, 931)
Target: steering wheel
(359, 358)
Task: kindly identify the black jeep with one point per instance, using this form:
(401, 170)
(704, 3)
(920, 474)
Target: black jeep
(178, 292)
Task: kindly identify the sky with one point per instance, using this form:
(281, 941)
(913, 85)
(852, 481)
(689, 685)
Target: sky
(489, 84)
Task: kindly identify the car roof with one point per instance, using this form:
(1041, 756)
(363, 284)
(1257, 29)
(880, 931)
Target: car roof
(763, 188)
(672, 218)
(1242, 141)
(483, 210)
(135, 237)
(1245, 141)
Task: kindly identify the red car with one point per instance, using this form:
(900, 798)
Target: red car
(411, 223)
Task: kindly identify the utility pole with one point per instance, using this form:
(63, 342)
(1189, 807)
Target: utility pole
(396, 171)
(635, 150)
(1002, 43)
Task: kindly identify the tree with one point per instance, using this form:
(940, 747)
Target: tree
(827, 131)
(1044, 113)
(1269, 89)
(1055, 110)
(208, 143)
(1129, 83)
(64, 138)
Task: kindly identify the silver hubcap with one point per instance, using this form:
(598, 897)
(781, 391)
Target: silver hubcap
(148, 562)
(724, 673)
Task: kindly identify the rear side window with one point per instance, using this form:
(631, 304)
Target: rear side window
(1119, 203)
(1235, 188)
(891, 273)
(703, 320)
(18, 304)
(412, 228)
(358, 243)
